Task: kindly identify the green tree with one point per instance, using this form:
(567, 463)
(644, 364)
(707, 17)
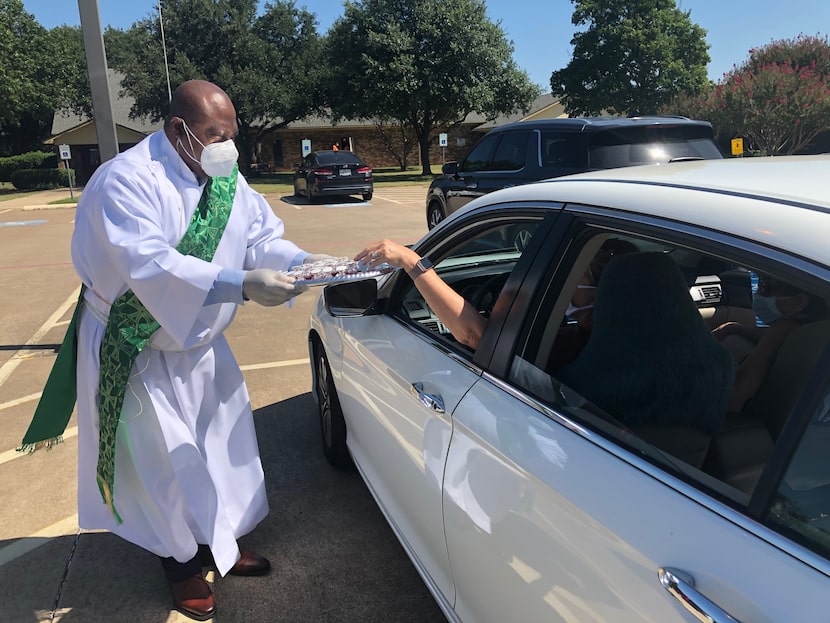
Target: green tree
(633, 57)
(422, 63)
(269, 64)
(778, 101)
(37, 75)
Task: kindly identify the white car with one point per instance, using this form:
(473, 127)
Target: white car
(606, 478)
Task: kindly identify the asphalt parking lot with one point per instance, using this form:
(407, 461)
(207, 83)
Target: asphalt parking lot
(334, 557)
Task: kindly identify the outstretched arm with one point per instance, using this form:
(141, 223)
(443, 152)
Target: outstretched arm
(460, 317)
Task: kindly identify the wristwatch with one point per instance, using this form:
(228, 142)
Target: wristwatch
(422, 266)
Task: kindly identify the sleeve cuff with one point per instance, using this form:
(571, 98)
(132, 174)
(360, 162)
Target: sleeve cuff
(227, 288)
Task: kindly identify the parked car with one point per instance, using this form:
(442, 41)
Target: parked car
(330, 172)
(519, 498)
(528, 151)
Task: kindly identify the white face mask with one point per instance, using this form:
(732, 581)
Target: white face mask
(217, 158)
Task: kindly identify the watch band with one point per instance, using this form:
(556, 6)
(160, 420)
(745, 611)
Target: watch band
(421, 266)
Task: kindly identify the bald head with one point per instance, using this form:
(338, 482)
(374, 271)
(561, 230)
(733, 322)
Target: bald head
(207, 112)
(199, 99)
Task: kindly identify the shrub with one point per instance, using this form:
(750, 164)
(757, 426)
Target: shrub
(31, 160)
(41, 179)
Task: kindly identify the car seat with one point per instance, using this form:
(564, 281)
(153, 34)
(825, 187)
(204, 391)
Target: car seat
(651, 361)
(739, 452)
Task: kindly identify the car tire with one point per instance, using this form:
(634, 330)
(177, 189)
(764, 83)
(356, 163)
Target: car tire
(435, 214)
(332, 423)
(367, 196)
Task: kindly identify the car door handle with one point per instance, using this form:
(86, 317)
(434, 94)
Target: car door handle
(682, 587)
(430, 401)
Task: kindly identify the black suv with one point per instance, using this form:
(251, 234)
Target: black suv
(535, 150)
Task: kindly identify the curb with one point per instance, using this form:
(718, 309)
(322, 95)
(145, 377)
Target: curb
(49, 206)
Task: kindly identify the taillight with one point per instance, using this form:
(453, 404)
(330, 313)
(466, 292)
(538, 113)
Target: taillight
(323, 171)
(366, 170)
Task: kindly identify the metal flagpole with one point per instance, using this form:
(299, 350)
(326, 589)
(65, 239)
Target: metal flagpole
(164, 49)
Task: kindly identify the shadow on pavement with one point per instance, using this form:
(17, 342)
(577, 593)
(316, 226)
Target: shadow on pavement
(323, 201)
(334, 557)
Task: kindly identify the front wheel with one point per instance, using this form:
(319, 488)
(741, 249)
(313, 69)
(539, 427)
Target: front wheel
(435, 214)
(332, 423)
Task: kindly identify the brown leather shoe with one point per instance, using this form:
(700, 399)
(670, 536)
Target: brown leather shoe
(250, 563)
(193, 597)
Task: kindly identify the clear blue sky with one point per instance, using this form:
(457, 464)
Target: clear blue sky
(541, 30)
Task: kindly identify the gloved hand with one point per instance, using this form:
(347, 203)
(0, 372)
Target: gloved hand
(317, 257)
(269, 287)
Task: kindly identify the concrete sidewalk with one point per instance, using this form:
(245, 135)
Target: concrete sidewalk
(41, 200)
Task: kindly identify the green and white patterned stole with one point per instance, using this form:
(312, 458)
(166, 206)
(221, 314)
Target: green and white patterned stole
(131, 325)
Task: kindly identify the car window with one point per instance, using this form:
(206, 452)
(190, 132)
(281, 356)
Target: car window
(802, 502)
(563, 149)
(649, 342)
(511, 152)
(622, 147)
(481, 155)
(476, 267)
(339, 157)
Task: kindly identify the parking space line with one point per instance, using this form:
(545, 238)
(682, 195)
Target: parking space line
(64, 527)
(274, 364)
(19, 401)
(10, 366)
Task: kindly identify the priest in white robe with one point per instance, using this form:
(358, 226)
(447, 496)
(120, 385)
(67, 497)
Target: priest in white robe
(187, 471)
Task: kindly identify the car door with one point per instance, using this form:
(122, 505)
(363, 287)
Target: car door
(462, 187)
(554, 510)
(405, 366)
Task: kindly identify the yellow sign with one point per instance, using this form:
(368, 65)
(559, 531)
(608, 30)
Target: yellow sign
(737, 146)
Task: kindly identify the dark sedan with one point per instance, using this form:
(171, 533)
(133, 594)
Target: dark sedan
(333, 173)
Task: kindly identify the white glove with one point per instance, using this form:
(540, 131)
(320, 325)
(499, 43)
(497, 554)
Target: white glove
(269, 287)
(317, 257)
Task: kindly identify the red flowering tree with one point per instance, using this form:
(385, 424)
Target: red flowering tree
(777, 101)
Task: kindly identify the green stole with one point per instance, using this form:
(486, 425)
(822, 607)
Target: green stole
(129, 328)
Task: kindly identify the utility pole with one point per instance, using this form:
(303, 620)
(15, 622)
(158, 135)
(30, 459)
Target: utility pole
(96, 62)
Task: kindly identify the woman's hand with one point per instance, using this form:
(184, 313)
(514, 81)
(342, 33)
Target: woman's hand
(390, 253)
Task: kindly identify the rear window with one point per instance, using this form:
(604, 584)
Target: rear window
(338, 157)
(622, 147)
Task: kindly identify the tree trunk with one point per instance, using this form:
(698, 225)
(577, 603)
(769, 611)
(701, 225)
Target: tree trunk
(423, 141)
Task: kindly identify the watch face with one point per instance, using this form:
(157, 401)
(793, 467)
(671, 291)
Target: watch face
(425, 264)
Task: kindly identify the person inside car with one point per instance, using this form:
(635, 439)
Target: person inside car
(466, 323)
(572, 338)
(782, 308)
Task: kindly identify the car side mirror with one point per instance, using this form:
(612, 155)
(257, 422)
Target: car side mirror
(352, 298)
(296, 165)
(450, 168)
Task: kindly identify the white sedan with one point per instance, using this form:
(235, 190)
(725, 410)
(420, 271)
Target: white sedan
(611, 460)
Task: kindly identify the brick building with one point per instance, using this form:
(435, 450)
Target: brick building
(281, 149)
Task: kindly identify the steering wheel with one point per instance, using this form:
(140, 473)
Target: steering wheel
(485, 297)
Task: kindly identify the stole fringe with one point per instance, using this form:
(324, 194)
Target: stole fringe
(106, 493)
(48, 444)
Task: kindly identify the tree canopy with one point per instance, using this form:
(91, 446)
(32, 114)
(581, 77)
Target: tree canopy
(778, 101)
(424, 64)
(633, 57)
(269, 64)
(41, 71)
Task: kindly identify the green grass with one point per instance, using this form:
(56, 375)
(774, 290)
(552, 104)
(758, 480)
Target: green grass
(280, 182)
(7, 191)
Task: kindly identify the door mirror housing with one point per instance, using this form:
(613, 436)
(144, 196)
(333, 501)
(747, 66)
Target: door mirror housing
(352, 298)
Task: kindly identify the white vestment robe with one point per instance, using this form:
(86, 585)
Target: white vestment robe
(187, 467)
